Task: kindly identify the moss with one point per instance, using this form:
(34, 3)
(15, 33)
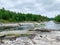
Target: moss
(24, 34)
(30, 30)
(16, 35)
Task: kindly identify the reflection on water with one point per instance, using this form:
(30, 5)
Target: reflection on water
(52, 25)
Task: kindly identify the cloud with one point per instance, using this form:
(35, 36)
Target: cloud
(48, 8)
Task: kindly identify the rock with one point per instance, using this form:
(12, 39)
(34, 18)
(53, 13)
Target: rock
(58, 38)
(31, 36)
(2, 36)
(43, 30)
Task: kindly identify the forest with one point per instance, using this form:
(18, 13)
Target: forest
(57, 18)
(10, 16)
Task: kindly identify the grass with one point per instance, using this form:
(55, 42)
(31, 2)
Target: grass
(3, 21)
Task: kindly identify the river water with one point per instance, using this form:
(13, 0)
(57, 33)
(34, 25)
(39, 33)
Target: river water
(52, 25)
(42, 25)
(46, 25)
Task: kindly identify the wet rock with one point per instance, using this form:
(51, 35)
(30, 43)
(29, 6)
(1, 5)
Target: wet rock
(43, 30)
(27, 43)
(58, 38)
(2, 36)
(31, 36)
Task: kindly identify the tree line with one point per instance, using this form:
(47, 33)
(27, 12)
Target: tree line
(10, 16)
(57, 18)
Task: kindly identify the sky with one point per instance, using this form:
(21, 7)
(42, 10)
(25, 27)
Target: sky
(49, 8)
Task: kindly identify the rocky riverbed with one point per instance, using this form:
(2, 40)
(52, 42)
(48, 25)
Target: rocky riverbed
(34, 38)
(47, 33)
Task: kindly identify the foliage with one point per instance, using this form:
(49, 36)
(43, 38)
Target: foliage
(57, 18)
(10, 16)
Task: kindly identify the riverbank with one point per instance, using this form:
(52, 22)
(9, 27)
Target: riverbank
(15, 26)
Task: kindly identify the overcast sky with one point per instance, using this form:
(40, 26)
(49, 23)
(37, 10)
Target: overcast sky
(48, 8)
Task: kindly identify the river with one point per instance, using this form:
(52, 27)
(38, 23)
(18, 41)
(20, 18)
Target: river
(46, 25)
(29, 26)
(52, 25)
(48, 38)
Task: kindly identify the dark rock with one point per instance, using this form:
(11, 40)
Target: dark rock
(31, 36)
(43, 30)
(2, 36)
(58, 38)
